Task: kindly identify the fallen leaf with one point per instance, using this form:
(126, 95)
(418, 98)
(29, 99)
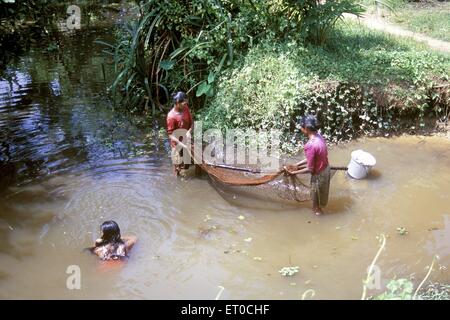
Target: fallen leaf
(257, 258)
(248, 240)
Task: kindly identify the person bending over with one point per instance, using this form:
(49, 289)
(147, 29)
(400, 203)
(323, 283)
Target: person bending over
(315, 163)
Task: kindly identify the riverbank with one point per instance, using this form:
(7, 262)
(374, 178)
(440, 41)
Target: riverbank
(357, 81)
(363, 82)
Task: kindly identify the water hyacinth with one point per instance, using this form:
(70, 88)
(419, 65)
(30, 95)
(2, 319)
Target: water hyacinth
(289, 271)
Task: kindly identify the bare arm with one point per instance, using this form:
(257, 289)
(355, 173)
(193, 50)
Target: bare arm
(189, 133)
(301, 171)
(129, 241)
(301, 163)
(173, 138)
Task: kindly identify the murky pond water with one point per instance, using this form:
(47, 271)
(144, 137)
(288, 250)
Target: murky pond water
(73, 163)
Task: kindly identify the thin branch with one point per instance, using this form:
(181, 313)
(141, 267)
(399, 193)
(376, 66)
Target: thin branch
(369, 272)
(220, 293)
(424, 279)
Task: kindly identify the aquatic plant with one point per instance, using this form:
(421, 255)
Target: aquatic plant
(399, 289)
(289, 271)
(435, 291)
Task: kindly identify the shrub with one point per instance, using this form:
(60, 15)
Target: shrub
(362, 85)
(185, 45)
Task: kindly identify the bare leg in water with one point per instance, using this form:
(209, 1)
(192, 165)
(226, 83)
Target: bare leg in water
(317, 211)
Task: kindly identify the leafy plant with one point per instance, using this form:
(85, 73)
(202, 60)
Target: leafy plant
(436, 291)
(289, 271)
(174, 45)
(400, 289)
(186, 45)
(361, 82)
(402, 231)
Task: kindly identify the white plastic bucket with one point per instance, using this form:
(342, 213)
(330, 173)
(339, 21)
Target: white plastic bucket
(360, 164)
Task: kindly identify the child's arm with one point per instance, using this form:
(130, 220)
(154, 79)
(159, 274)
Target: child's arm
(129, 241)
(301, 171)
(301, 163)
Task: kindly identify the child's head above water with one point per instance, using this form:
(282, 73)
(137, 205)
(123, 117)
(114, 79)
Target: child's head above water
(110, 232)
(111, 245)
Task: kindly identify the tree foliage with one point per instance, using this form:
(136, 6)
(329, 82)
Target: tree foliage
(178, 44)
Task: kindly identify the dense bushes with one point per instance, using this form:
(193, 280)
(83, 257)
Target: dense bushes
(363, 83)
(261, 65)
(179, 44)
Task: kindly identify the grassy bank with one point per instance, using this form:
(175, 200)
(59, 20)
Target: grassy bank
(361, 82)
(262, 66)
(431, 18)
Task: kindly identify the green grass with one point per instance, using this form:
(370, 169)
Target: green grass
(357, 54)
(432, 19)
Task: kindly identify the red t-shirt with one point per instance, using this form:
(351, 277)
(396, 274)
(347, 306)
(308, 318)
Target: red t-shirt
(177, 120)
(316, 154)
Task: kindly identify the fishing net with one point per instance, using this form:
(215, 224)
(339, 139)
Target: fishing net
(280, 185)
(245, 180)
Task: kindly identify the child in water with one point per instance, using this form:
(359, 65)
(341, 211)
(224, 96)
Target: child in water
(111, 246)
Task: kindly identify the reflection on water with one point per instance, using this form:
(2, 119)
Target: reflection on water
(55, 116)
(69, 163)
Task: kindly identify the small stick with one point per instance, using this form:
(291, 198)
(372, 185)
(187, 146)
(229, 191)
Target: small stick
(424, 279)
(369, 272)
(313, 293)
(220, 293)
(339, 168)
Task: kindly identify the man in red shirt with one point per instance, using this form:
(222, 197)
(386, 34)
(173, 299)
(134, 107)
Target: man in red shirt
(179, 118)
(315, 163)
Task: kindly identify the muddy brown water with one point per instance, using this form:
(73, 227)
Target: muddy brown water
(77, 163)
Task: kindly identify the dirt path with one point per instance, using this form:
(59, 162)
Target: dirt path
(378, 23)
